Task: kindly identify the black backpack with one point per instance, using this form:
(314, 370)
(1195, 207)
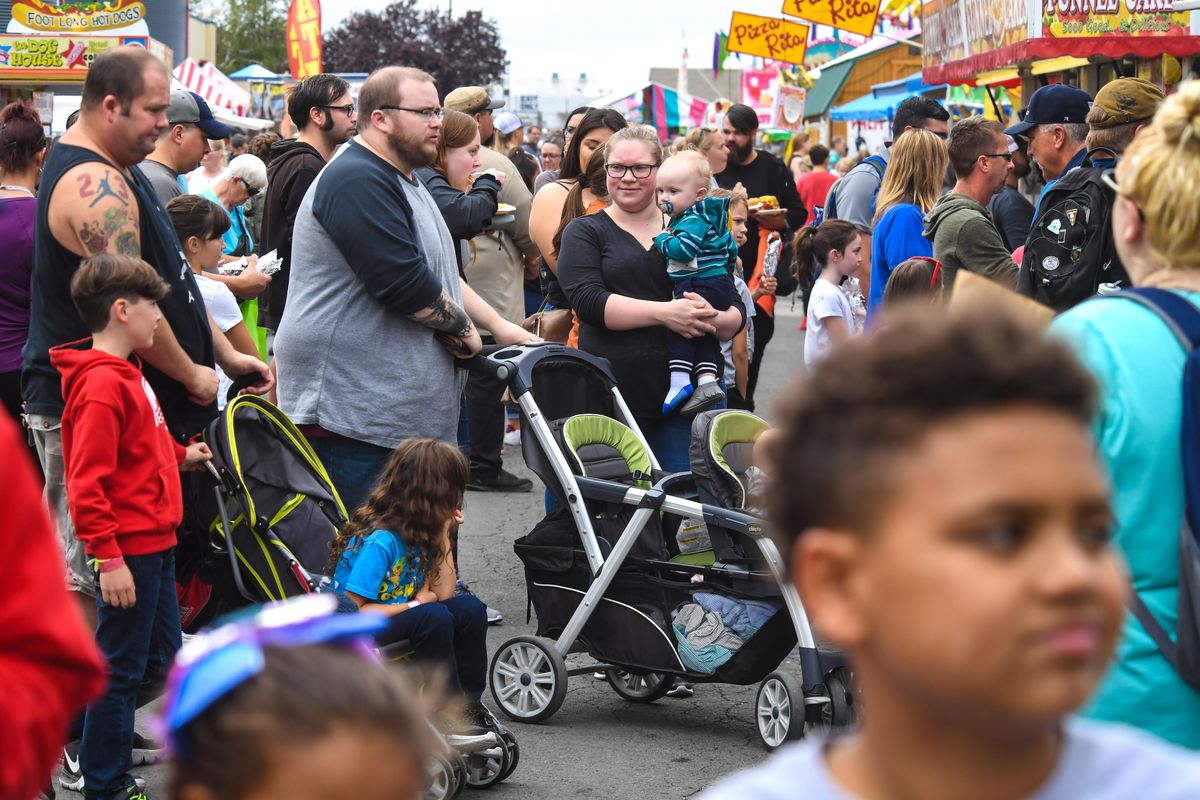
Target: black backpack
(1070, 249)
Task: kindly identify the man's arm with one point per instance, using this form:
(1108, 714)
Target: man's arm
(486, 317)
(982, 252)
(236, 363)
(169, 358)
(451, 325)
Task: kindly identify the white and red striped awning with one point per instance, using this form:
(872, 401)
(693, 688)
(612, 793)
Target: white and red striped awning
(212, 84)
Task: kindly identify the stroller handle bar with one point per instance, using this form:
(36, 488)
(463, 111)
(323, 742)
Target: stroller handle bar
(514, 364)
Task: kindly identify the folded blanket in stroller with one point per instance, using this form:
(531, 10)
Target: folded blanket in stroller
(705, 643)
(743, 617)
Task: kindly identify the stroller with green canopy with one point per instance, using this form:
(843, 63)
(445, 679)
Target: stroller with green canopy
(605, 574)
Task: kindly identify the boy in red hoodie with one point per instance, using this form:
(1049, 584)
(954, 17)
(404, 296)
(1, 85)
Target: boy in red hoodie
(122, 476)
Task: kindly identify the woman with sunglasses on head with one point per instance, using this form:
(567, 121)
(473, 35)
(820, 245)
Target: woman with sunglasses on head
(1139, 365)
(911, 186)
(710, 143)
(617, 284)
(244, 178)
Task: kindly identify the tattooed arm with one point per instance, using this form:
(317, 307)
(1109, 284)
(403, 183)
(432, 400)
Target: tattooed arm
(450, 325)
(93, 210)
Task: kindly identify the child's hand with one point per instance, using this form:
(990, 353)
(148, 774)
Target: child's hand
(425, 596)
(117, 589)
(197, 454)
(458, 516)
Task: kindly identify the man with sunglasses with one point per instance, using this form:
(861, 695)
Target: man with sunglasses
(190, 124)
(323, 112)
(959, 225)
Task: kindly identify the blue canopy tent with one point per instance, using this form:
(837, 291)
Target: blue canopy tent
(883, 99)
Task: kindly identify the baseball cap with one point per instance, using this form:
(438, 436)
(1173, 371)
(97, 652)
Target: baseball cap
(1126, 100)
(189, 108)
(507, 122)
(1056, 104)
(471, 100)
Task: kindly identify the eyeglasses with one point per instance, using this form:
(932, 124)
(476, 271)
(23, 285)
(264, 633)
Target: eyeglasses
(1109, 178)
(347, 109)
(426, 114)
(639, 170)
(1006, 156)
(251, 189)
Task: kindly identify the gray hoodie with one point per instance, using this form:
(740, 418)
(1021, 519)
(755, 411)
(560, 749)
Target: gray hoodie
(965, 237)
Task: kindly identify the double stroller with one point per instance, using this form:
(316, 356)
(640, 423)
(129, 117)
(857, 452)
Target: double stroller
(260, 532)
(606, 576)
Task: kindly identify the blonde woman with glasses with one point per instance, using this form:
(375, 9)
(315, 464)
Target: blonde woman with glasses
(911, 186)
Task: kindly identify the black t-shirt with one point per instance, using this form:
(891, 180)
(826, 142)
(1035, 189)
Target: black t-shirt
(54, 320)
(766, 174)
(598, 259)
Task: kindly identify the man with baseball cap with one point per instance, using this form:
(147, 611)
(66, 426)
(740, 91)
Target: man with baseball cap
(190, 124)
(496, 271)
(1055, 124)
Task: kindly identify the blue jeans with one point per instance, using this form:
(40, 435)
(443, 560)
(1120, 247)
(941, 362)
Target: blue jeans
(451, 633)
(139, 644)
(353, 466)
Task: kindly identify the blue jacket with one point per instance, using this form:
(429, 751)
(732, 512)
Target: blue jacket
(897, 238)
(700, 233)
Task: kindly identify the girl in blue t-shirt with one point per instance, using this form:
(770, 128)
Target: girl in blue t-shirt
(393, 558)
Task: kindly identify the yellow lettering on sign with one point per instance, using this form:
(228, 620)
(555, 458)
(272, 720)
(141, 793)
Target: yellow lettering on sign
(768, 37)
(854, 16)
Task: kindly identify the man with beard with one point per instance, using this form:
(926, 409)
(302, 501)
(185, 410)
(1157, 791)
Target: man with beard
(376, 312)
(323, 112)
(760, 173)
(1011, 211)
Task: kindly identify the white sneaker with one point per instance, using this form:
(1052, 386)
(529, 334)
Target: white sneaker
(512, 437)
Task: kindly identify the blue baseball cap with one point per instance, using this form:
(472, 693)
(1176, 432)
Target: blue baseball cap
(189, 108)
(1056, 104)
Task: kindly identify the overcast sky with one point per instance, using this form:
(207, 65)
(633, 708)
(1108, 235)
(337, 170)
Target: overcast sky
(614, 41)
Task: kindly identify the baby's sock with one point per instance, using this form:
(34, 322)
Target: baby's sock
(679, 391)
(705, 377)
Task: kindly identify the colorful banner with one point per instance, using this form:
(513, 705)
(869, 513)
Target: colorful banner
(304, 38)
(855, 16)
(1074, 18)
(767, 37)
(52, 58)
(958, 29)
(79, 18)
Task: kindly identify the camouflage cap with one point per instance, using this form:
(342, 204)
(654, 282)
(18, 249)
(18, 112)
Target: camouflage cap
(1125, 100)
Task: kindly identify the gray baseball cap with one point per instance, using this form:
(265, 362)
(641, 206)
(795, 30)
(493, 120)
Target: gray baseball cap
(189, 108)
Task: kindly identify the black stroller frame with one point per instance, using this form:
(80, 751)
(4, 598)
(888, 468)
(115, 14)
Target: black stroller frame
(528, 674)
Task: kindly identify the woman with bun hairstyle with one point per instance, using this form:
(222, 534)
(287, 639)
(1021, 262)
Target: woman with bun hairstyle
(1139, 365)
(22, 150)
(911, 186)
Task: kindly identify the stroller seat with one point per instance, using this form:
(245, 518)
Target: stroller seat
(601, 447)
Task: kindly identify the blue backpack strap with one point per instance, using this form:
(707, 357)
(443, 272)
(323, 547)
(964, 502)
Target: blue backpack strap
(1183, 318)
(876, 163)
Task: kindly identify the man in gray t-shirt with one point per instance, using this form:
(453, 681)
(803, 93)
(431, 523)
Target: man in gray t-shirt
(190, 124)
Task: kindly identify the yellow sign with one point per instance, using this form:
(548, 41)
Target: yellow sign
(767, 37)
(853, 16)
(304, 38)
(81, 18)
(52, 57)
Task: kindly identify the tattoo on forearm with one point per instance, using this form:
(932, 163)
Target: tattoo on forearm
(446, 316)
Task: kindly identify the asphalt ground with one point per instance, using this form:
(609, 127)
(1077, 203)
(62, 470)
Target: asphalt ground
(598, 744)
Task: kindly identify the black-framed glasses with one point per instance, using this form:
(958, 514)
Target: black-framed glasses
(426, 114)
(347, 109)
(639, 170)
(251, 189)
(1006, 156)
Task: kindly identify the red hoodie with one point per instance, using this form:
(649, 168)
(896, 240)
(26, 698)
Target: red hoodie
(49, 665)
(122, 465)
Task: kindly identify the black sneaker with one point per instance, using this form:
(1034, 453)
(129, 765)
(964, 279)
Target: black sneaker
(134, 792)
(72, 776)
(500, 481)
(494, 617)
(681, 690)
(146, 750)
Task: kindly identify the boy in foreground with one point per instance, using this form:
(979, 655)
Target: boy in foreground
(122, 476)
(976, 593)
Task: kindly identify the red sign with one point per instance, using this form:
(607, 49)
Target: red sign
(304, 38)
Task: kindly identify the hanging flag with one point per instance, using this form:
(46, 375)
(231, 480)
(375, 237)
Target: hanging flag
(720, 52)
(767, 37)
(304, 38)
(853, 16)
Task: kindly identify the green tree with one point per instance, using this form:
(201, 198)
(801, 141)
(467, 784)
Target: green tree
(250, 32)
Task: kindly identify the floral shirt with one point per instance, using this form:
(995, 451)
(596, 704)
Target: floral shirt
(381, 568)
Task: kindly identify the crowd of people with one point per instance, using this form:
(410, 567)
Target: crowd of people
(952, 487)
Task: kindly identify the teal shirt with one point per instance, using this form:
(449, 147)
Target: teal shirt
(1139, 365)
(237, 226)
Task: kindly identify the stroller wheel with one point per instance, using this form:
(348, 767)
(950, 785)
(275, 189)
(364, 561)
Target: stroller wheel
(528, 679)
(639, 688)
(486, 768)
(779, 709)
(447, 777)
(842, 712)
(514, 752)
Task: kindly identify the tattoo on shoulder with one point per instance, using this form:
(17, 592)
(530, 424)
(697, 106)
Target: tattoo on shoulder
(96, 234)
(446, 316)
(104, 188)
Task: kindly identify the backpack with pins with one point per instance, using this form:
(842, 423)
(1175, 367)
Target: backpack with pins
(1070, 251)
